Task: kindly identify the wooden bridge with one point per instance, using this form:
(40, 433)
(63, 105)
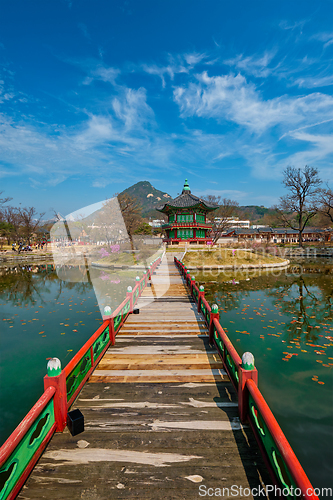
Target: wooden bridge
(161, 415)
(170, 410)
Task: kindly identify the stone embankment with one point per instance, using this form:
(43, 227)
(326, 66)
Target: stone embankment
(309, 252)
(15, 257)
(284, 263)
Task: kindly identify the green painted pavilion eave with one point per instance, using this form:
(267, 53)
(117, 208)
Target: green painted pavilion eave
(172, 208)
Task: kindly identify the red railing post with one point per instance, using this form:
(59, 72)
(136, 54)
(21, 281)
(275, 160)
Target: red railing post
(129, 294)
(246, 371)
(138, 284)
(214, 313)
(201, 295)
(187, 276)
(112, 336)
(57, 378)
(192, 282)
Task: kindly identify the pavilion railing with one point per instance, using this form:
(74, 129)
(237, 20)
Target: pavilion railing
(187, 224)
(19, 454)
(285, 470)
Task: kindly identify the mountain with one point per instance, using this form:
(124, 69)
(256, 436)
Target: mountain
(255, 213)
(148, 198)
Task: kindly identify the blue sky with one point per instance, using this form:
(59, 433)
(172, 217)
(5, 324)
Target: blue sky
(97, 95)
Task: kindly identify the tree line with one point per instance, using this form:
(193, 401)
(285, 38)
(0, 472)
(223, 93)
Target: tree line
(306, 201)
(21, 223)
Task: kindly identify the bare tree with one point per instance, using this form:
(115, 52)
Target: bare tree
(221, 217)
(11, 216)
(325, 203)
(4, 200)
(131, 212)
(29, 222)
(2, 218)
(298, 207)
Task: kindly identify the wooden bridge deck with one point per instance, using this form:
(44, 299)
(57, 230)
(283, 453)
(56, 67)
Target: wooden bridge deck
(161, 415)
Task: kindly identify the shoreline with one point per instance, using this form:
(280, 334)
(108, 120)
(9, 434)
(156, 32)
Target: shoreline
(115, 266)
(10, 258)
(283, 264)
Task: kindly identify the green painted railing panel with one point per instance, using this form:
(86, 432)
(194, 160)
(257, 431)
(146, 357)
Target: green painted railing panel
(18, 461)
(77, 375)
(126, 308)
(279, 467)
(219, 343)
(205, 312)
(116, 321)
(100, 343)
(136, 294)
(232, 367)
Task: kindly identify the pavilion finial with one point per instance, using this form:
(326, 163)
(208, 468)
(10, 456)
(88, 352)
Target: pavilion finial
(186, 188)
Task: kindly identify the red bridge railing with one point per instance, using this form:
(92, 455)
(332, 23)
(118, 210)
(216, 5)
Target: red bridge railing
(20, 452)
(282, 463)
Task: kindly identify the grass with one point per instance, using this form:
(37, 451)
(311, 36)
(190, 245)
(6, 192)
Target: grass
(141, 257)
(223, 257)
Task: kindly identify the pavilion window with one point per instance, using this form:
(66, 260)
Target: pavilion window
(185, 218)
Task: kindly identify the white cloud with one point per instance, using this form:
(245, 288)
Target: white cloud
(287, 25)
(319, 153)
(133, 109)
(102, 73)
(232, 98)
(326, 38)
(314, 81)
(181, 63)
(194, 58)
(160, 71)
(253, 65)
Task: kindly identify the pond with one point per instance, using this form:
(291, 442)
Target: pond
(41, 317)
(285, 318)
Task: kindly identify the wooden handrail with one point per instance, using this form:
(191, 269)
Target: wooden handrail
(227, 342)
(17, 435)
(119, 308)
(77, 357)
(206, 304)
(282, 443)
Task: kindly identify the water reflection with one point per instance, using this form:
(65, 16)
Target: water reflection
(286, 322)
(309, 299)
(41, 317)
(302, 292)
(27, 284)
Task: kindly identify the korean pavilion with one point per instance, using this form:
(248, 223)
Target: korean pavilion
(187, 218)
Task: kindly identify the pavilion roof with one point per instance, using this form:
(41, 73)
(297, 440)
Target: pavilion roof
(187, 200)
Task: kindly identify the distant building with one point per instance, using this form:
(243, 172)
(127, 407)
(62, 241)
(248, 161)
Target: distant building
(187, 218)
(156, 223)
(278, 235)
(234, 222)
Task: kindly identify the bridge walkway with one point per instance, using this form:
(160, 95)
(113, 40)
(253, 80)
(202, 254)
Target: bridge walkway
(161, 415)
